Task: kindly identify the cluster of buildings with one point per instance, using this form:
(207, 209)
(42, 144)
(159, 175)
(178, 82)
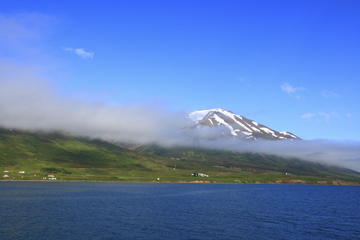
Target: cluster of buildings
(48, 177)
(196, 174)
(6, 173)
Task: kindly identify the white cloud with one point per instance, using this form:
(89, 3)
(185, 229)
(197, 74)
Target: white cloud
(30, 103)
(24, 27)
(348, 115)
(290, 89)
(24, 35)
(329, 94)
(81, 52)
(327, 116)
(308, 115)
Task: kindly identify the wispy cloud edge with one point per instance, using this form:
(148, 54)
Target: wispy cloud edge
(81, 52)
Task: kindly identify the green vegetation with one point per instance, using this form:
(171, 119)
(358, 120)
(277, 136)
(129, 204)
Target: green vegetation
(74, 158)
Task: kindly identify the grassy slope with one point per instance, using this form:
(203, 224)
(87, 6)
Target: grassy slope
(71, 158)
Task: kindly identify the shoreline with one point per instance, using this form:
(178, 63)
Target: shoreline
(335, 183)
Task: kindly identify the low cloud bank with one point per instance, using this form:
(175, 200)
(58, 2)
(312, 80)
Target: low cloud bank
(31, 104)
(27, 102)
(338, 153)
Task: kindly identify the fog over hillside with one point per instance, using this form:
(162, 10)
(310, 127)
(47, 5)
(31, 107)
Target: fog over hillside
(30, 102)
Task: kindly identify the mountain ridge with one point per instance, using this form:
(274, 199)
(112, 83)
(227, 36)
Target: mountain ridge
(81, 158)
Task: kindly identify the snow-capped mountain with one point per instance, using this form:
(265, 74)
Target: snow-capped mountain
(236, 125)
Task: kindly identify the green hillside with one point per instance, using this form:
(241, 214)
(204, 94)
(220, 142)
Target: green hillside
(74, 158)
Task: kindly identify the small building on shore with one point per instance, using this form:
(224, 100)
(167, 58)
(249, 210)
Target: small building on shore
(196, 174)
(51, 177)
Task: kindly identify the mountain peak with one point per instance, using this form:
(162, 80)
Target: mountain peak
(237, 125)
(200, 114)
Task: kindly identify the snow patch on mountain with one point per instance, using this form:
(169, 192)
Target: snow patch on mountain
(237, 125)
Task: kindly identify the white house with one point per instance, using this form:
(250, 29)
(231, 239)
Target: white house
(6, 176)
(199, 175)
(51, 177)
(203, 175)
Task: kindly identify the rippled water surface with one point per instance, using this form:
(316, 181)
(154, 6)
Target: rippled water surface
(55, 210)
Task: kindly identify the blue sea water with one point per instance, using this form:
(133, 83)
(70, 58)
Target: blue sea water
(86, 211)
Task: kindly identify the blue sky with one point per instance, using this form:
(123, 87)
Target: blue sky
(291, 65)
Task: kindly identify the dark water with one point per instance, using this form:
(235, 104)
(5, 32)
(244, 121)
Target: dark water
(85, 211)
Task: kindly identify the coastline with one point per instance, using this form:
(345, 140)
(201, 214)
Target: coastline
(322, 183)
